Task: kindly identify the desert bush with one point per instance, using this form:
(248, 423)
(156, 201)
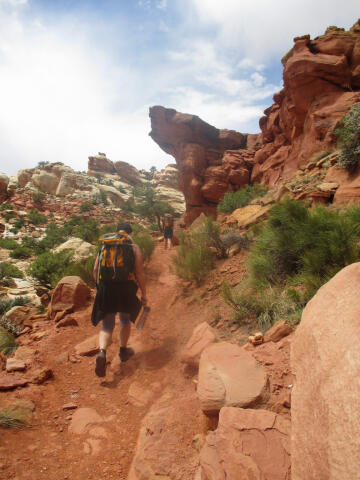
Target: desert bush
(84, 270)
(9, 271)
(38, 197)
(6, 206)
(309, 246)
(264, 307)
(21, 252)
(99, 198)
(209, 235)
(10, 325)
(348, 133)
(7, 342)
(6, 305)
(8, 216)
(8, 243)
(146, 244)
(233, 200)
(36, 218)
(234, 237)
(15, 416)
(86, 207)
(192, 260)
(42, 164)
(49, 268)
(20, 222)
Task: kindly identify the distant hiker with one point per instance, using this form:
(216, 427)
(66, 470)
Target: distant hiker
(167, 226)
(118, 271)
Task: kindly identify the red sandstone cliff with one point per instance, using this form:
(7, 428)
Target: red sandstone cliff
(321, 82)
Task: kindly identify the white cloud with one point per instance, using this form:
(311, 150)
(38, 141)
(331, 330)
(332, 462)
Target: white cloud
(161, 4)
(261, 28)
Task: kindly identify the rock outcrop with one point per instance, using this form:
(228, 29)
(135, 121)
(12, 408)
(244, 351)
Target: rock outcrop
(198, 148)
(4, 180)
(126, 172)
(325, 360)
(321, 83)
(70, 293)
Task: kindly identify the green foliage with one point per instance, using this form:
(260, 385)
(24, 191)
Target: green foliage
(36, 218)
(209, 235)
(349, 139)
(146, 244)
(15, 416)
(148, 205)
(6, 206)
(87, 230)
(20, 222)
(233, 200)
(99, 198)
(234, 237)
(38, 197)
(11, 326)
(8, 216)
(84, 270)
(6, 305)
(21, 252)
(8, 243)
(265, 307)
(128, 206)
(7, 342)
(49, 268)
(310, 246)
(192, 260)
(9, 271)
(85, 207)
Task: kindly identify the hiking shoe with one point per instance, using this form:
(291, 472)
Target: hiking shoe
(100, 365)
(125, 353)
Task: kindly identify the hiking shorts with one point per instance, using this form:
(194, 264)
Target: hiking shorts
(108, 322)
(168, 233)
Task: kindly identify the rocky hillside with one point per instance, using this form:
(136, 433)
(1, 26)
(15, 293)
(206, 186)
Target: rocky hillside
(113, 180)
(321, 82)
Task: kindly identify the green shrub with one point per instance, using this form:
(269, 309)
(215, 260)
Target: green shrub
(264, 307)
(42, 164)
(21, 252)
(209, 235)
(36, 218)
(11, 326)
(6, 206)
(234, 237)
(15, 416)
(87, 230)
(146, 244)
(8, 243)
(38, 197)
(6, 305)
(84, 270)
(20, 222)
(86, 207)
(8, 216)
(233, 200)
(349, 139)
(49, 268)
(7, 342)
(9, 271)
(192, 260)
(309, 246)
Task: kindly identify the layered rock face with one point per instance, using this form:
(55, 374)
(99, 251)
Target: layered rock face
(325, 359)
(205, 173)
(321, 82)
(101, 164)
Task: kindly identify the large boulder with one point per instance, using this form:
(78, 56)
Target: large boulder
(128, 173)
(325, 360)
(112, 194)
(202, 337)
(247, 445)
(45, 181)
(70, 294)
(99, 163)
(229, 376)
(82, 250)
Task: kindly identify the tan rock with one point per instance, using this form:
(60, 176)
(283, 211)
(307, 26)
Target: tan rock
(4, 180)
(112, 194)
(202, 336)
(81, 250)
(45, 181)
(328, 186)
(278, 331)
(248, 215)
(325, 359)
(229, 376)
(9, 382)
(14, 365)
(41, 375)
(248, 445)
(128, 173)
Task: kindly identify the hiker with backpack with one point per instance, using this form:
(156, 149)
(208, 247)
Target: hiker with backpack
(167, 227)
(118, 272)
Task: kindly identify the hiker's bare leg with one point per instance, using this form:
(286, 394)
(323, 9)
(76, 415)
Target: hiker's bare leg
(104, 339)
(125, 330)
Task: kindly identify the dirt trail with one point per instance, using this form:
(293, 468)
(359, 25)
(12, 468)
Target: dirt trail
(49, 450)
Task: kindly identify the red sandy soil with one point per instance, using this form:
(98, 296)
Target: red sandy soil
(48, 450)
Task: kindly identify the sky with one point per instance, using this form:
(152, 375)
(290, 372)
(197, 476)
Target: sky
(77, 77)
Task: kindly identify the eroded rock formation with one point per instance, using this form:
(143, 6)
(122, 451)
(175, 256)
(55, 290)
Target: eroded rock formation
(321, 82)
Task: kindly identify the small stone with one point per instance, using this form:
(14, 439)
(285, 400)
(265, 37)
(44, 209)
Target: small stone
(69, 406)
(14, 365)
